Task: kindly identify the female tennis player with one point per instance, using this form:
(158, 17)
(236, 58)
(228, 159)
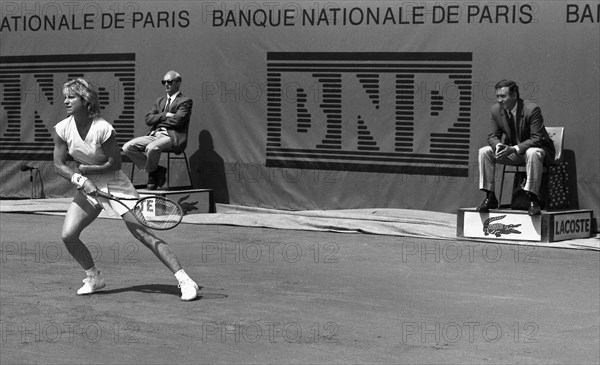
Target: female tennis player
(91, 141)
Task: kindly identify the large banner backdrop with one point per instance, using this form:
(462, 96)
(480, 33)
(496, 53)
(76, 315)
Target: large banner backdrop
(308, 104)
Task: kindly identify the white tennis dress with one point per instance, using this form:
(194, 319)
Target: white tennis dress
(90, 152)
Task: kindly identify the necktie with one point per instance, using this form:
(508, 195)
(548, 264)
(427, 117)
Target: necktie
(517, 129)
(513, 129)
(167, 105)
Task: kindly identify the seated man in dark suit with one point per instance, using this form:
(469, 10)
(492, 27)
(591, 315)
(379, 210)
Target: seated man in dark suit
(517, 136)
(169, 120)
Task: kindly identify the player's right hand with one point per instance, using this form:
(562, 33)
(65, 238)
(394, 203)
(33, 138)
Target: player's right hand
(90, 188)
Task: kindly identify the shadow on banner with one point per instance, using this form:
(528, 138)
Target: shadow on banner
(208, 168)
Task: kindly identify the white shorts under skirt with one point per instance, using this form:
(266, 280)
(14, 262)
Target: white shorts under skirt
(118, 184)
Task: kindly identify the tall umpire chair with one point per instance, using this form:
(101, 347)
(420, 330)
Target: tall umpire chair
(182, 156)
(171, 156)
(174, 156)
(557, 134)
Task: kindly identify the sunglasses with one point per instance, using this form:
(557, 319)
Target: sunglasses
(167, 82)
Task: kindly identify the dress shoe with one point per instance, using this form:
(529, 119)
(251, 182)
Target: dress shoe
(161, 176)
(534, 205)
(487, 204)
(151, 184)
(157, 178)
(534, 208)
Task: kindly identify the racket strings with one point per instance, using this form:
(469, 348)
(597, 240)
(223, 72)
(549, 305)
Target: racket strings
(158, 212)
(139, 215)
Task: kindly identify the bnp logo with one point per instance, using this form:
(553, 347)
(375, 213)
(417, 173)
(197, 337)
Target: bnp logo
(365, 111)
(31, 98)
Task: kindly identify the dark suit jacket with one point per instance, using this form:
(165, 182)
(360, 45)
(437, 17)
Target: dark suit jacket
(177, 126)
(530, 129)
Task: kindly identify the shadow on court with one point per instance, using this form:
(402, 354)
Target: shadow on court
(159, 289)
(289, 297)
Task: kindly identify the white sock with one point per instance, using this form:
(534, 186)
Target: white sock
(181, 276)
(92, 272)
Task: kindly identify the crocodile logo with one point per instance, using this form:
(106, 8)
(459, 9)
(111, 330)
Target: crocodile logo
(187, 206)
(498, 229)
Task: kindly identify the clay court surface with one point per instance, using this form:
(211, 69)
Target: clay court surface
(294, 297)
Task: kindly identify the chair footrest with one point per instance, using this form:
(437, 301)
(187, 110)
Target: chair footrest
(517, 225)
(170, 156)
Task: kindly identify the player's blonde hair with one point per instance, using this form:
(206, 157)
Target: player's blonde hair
(87, 93)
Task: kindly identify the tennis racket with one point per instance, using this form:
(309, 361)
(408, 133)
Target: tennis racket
(154, 212)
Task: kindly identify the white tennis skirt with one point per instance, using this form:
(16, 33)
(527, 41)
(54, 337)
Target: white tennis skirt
(118, 184)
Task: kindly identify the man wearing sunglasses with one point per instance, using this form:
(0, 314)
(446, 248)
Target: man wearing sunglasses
(169, 121)
(518, 136)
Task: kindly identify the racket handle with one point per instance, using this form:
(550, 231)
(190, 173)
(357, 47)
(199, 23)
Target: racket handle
(106, 195)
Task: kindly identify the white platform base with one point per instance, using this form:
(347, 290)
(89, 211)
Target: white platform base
(517, 225)
(193, 201)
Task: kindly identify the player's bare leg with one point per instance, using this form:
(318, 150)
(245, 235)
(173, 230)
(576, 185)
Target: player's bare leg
(189, 289)
(79, 215)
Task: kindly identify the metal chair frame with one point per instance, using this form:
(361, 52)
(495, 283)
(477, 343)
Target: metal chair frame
(557, 134)
(172, 156)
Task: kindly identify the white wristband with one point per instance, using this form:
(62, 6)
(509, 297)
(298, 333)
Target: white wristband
(78, 179)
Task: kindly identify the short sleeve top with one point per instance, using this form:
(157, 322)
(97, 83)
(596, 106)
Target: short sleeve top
(87, 151)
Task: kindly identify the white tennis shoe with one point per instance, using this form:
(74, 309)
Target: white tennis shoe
(189, 289)
(92, 284)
